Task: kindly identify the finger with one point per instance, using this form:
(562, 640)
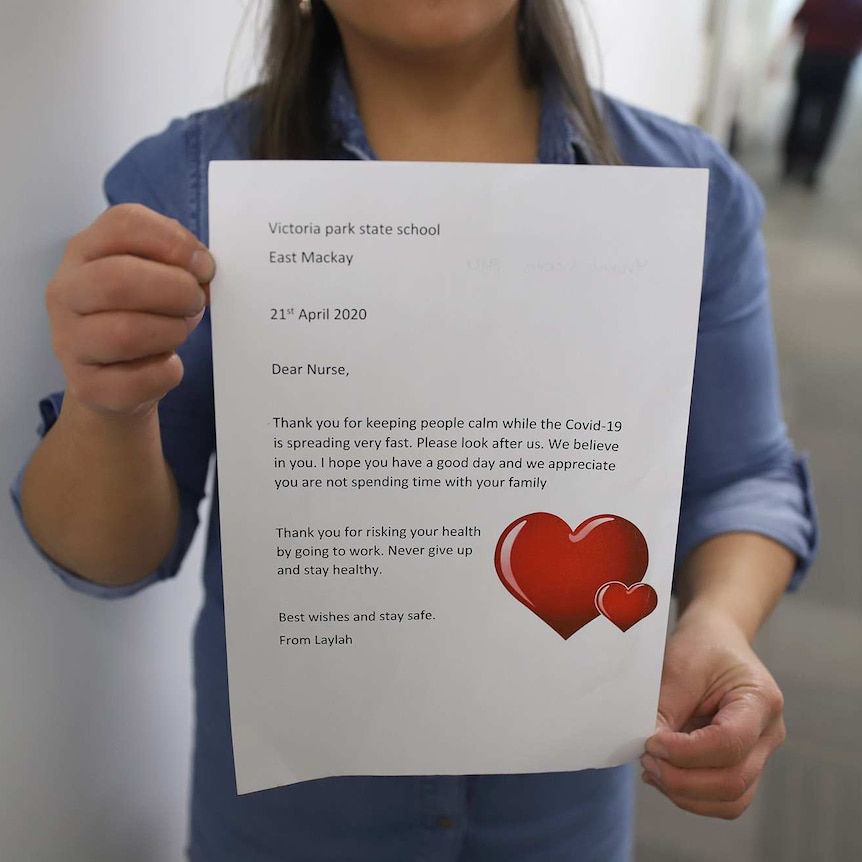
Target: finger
(138, 230)
(726, 741)
(128, 283)
(192, 322)
(124, 387)
(125, 336)
(722, 810)
(725, 784)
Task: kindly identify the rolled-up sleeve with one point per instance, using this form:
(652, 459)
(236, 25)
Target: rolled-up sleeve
(742, 473)
(50, 409)
(156, 174)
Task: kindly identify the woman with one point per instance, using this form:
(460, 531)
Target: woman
(110, 495)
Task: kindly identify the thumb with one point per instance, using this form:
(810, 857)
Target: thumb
(679, 698)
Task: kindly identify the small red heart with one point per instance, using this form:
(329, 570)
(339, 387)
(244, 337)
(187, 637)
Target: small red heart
(556, 572)
(624, 606)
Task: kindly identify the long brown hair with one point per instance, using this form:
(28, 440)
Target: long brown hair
(303, 49)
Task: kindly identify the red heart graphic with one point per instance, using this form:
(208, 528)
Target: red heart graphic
(556, 572)
(624, 606)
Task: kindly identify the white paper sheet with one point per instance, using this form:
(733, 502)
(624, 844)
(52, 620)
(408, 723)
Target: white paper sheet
(451, 406)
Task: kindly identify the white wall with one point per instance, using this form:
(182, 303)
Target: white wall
(652, 52)
(729, 60)
(95, 698)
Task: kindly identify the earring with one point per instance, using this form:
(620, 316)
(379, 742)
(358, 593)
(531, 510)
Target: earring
(304, 7)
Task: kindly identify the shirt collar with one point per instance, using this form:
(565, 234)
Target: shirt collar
(560, 141)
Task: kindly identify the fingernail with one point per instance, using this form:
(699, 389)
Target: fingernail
(202, 266)
(650, 764)
(199, 304)
(194, 320)
(656, 749)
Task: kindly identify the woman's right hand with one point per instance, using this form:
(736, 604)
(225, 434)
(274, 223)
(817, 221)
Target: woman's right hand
(128, 292)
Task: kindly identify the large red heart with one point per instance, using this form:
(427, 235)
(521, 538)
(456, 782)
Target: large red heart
(556, 572)
(624, 606)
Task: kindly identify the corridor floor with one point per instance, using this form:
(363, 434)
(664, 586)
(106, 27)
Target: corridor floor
(809, 808)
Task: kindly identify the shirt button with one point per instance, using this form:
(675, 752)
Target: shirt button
(444, 822)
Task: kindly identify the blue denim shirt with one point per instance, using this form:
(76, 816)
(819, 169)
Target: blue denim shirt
(741, 474)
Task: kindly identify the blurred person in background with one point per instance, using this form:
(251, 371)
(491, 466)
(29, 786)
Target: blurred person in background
(832, 30)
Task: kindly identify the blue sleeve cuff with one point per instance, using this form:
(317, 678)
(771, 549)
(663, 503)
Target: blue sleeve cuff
(778, 504)
(50, 408)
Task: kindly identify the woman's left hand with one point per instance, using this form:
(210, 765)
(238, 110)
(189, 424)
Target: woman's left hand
(719, 718)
